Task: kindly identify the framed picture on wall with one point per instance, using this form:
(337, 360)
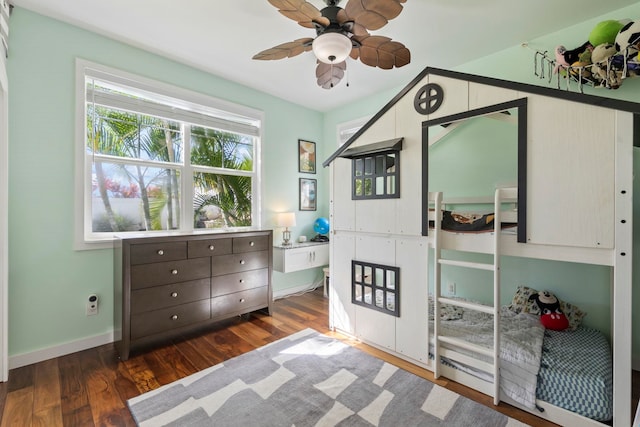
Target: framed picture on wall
(306, 156)
(308, 192)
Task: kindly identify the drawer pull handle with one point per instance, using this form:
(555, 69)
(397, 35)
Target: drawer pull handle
(160, 252)
(241, 299)
(252, 243)
(174, 317)
(211, 247)
(174, 294)
(241, 280)
(242, 262)
(174, 272)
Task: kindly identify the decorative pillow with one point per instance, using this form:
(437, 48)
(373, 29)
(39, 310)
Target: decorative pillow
(521, 304)
(573, 313)
(447, 312)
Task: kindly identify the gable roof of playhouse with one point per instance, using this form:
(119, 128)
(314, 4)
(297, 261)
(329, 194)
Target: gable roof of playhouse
(567, 95)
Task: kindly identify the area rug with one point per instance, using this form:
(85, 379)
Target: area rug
(309, 379)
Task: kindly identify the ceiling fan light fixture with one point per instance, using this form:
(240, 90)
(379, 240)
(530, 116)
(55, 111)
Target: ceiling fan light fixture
(332, 48)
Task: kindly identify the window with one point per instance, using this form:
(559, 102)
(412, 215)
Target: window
(158, 158)
(376, 286)
(376, 176)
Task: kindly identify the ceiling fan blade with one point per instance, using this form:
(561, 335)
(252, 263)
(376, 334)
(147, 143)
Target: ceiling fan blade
(285, 50)
(373, 14)
(329, 75)
(356, 28)
(381, 52)
(301, 11)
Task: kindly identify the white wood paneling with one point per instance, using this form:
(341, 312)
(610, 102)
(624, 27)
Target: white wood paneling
(375, 327)
(342, 208)
(376, 216)
(383, 129)
(570, 173)
(412, 326)
(408, 207)
(456, 96)
(622, 272)
(341, 311)
(483, 96)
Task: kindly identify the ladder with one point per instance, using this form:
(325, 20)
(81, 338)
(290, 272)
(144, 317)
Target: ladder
(501, 195)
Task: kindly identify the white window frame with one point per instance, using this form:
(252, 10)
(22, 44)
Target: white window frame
(346, 130)
(84, 237)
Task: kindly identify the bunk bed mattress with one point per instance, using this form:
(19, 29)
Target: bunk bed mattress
(576, 373)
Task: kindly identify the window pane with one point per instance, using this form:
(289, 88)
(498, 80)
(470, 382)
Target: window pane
(391, 184)
(379, 277)
(358, 189)
(379, 185)
(211, 147)
(367, 275)
(368, 165)
(358, 293)
(134, 198)
(358, 273)
(123, 134)
(368, 187)
(379, 298)
(391, 163)
(359, 166)
(391, 303)
(391, 279)
(221, 200)
(379, 165)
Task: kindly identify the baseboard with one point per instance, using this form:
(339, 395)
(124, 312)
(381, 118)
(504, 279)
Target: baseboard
(29, 358)
(283, 293)
(25, 359)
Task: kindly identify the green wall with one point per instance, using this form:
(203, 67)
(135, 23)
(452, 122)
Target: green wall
(48, 280)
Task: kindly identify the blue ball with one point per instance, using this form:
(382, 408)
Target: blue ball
(321, 226)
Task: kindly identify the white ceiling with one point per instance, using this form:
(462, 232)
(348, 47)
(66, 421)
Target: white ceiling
(221, 36)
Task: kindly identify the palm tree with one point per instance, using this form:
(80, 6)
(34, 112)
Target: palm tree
(230, 193)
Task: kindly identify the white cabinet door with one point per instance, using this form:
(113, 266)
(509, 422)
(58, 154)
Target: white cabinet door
(287, 260)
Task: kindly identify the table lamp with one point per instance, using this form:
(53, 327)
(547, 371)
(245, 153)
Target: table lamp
(286, 220)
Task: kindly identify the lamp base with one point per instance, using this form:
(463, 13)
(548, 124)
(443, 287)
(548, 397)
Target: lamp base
(286, 237)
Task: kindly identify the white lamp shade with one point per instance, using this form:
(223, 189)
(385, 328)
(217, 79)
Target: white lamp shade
(332, 48)
(286, 219)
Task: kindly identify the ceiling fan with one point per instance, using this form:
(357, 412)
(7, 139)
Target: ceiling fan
(341, 33)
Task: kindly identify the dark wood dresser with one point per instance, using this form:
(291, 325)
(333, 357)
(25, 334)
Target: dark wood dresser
(170, 285)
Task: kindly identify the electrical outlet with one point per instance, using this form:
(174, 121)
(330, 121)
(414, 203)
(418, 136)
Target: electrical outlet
(451, 288)
(92, 305)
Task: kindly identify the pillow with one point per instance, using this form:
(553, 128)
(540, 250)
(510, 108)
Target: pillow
(521, 304)
(447, 312)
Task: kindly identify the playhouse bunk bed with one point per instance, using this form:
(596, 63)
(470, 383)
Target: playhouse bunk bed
(560, 375)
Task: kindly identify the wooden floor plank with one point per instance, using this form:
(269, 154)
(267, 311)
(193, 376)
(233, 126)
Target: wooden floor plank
(18, 409)
(91, 387)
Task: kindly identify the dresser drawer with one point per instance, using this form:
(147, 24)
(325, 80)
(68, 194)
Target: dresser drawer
(227, 264)
(153, 322)
(146, 253)
(209, 247)
(154, 298)
(238, 302)
(229, 283)
(250, 244)
(163, 273)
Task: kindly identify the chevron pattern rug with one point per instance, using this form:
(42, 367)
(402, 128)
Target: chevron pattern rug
(309, 379)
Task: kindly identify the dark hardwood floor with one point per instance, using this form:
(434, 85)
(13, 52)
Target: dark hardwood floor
(91, 387)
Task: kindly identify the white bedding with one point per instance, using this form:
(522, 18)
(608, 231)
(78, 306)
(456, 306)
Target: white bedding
(520, 348)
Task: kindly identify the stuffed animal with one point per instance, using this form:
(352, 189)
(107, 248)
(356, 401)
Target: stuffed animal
(628, 37)
(565, 57)
(552, 316)
(602, 69)
(605, 32)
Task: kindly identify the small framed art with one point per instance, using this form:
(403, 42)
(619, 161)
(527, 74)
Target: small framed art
(308, 192)
(306, 156)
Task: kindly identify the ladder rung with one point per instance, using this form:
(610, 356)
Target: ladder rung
(477, 265)
(467, 360)
(468, 305)
(467, 345)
